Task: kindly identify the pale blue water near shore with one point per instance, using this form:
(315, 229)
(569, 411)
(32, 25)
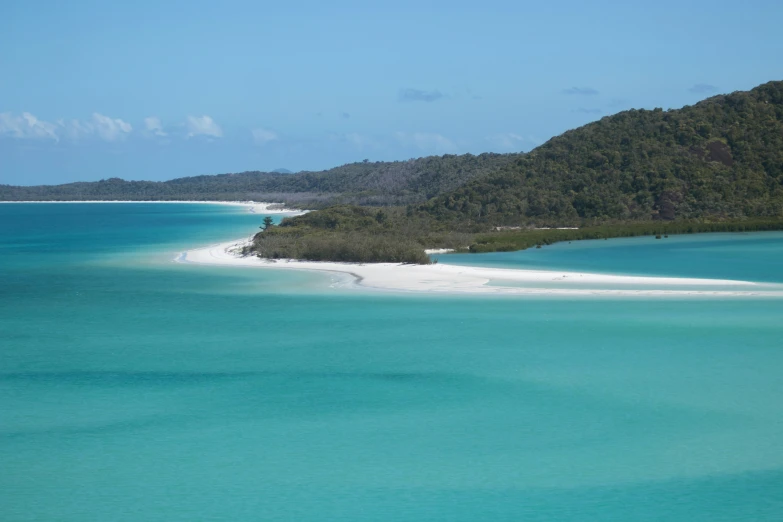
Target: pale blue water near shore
(133, 388)
(748, 256)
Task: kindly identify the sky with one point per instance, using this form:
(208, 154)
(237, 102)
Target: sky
(163, 89)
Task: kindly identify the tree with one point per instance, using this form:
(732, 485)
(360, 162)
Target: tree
(267, 223)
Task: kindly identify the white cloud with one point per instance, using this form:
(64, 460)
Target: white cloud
(100, 126)
(27, 126)
(427, 142)
(154, 126)
(262, 136)
(512, 142)
(110, 129)
(203, 126)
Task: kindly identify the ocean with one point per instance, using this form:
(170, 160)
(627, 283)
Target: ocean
(136, 388)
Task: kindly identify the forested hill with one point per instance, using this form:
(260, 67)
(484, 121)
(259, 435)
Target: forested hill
(715, 166)
(368, 183)
(721, 158)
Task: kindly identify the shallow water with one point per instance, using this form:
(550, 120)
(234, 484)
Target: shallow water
(134, 388)
(751, 256)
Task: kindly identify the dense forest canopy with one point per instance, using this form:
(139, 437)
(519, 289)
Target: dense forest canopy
(720, 158)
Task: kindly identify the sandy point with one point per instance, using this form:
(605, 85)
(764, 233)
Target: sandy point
(443, 278)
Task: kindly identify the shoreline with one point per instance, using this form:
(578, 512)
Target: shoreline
(457, 279)
(256, 207)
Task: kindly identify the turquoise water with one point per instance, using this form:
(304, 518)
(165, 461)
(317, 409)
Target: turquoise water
(741, 256)
(133, 388)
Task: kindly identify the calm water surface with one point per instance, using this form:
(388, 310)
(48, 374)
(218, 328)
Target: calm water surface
(133, 388)
(740, 256)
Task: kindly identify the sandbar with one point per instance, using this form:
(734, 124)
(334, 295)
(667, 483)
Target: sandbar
(443, 278)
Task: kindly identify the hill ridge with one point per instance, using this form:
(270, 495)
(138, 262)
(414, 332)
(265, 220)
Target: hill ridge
(722, 156)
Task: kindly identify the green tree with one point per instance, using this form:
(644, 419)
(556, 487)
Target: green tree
(267, 223)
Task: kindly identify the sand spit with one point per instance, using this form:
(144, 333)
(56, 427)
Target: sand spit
(454, 279)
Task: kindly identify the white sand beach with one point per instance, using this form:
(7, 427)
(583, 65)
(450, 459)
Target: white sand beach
(256, 207)
(454, 279)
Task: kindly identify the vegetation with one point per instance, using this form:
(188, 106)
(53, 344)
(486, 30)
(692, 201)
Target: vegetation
(361, 234)
(268, 222)
(355, 234)
(720, 159)
(366, 183)
(716, 166)
(507, 241)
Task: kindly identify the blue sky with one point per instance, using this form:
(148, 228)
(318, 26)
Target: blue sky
(157, 90)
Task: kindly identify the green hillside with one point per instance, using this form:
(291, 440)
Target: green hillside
(720, 158)
(716, 166)
(366, 183)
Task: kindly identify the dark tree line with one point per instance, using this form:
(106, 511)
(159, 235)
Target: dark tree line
(366, 183)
